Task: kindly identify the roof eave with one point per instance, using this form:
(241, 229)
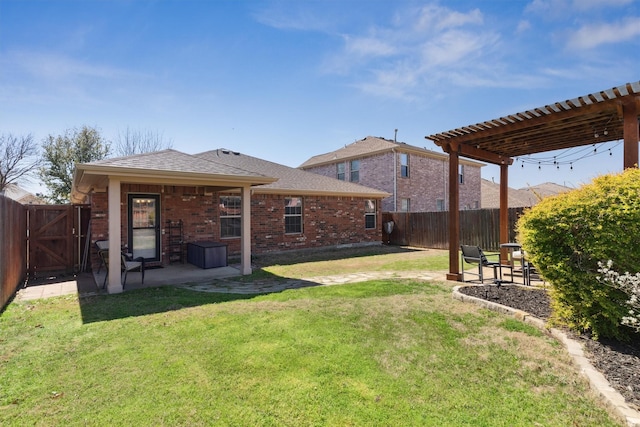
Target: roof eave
(128, 172)
(364, 194)
(89, 176)
(405, 148)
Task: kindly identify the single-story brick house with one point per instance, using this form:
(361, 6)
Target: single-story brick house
(250, 204)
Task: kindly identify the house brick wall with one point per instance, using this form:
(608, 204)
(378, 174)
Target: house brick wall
(327, 221)
(428, 180)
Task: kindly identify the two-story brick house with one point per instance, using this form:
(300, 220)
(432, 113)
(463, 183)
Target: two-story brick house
(416, 178)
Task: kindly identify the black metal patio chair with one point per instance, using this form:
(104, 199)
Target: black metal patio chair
(126, 265)
(475, 255)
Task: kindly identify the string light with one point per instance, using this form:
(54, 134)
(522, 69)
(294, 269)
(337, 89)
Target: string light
(568, 156)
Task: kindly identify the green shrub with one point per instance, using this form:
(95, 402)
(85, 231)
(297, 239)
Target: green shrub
(567, 235)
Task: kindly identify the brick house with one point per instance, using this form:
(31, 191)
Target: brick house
(250, 204)
(415, 178)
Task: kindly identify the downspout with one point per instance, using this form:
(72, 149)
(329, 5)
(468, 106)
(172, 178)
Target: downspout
(395, 180)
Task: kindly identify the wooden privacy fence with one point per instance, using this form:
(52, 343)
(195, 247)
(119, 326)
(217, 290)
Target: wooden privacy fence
(13, 248)
(431, 229)
(38, 241)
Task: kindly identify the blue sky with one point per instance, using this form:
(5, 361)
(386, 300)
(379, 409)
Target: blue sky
(286, 80)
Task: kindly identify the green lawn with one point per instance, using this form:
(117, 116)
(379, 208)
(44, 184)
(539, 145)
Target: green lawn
(355, 260)
(394, 353)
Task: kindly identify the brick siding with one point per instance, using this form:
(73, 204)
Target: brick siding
(327, 221)
(428, 180)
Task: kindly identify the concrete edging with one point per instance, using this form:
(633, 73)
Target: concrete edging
(597, 381)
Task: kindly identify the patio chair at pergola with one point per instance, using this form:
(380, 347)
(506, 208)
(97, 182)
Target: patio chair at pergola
(562, 125)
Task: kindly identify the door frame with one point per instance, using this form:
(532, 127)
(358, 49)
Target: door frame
(130, 198)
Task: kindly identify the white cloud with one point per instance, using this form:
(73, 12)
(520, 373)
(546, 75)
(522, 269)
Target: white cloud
(453, 48)
(560, 8)
(441, 18)
(523, 26)
(51, 78)
(292, 16)
(594, 35)
(51, 66)
(545, 7)
(368, 46)
(598, 4)
(419, 48)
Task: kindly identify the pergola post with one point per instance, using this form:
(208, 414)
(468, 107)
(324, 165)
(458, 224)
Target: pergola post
(454, 214)
(504, 207)
(631, 134)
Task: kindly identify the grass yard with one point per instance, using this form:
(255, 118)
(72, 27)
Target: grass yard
(373, 353)
(351, 260)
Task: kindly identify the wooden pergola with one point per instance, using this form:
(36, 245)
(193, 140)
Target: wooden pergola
(611, 114)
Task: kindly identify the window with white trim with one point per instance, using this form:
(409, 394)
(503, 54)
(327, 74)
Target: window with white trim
(370, 214)
(354, 167)
(404, 165)
(230, 216)
(405, 205)
(461, 174)
(293, 215)
(440, 205)
(340, 171)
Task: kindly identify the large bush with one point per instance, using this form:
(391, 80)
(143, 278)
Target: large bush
(567, 235)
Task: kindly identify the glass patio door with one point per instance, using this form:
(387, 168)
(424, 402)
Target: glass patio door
(144, 226)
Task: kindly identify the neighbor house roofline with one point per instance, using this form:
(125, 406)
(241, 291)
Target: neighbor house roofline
(379, 146)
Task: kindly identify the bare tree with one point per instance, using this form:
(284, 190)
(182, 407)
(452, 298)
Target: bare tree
(18, 158)
(135, 141)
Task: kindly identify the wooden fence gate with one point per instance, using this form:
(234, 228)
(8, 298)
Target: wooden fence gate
(56, 239)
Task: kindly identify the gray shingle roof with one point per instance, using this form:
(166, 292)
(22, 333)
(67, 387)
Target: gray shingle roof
(175, 161)
(523, 197)
(289, 179)
(367, 147)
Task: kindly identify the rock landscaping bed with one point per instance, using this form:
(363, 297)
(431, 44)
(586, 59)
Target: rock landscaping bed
(618, 362)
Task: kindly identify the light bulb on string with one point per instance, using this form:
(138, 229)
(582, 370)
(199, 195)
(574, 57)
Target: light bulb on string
(571, 166)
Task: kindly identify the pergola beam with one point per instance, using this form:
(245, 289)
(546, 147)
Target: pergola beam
(476, 153)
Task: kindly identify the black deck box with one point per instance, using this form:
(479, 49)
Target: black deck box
(207, 254)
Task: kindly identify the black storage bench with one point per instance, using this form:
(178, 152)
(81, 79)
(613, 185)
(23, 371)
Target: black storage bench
(207, 254)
